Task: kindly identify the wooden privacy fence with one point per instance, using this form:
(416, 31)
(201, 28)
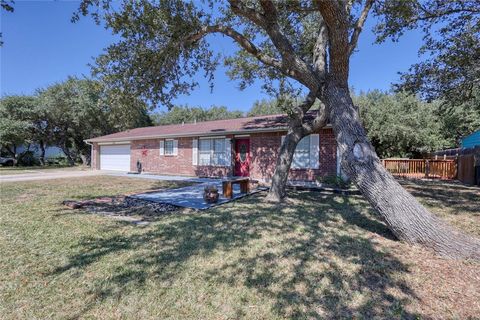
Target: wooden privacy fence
(421, 168)
(466, 169)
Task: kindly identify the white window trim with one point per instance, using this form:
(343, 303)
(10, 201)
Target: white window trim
(195, 152)
(163, 150)
(212, 137)
(166, 151)
(313, 154)
(227, 147)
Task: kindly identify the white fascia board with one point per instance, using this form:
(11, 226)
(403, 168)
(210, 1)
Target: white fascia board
(113, 142)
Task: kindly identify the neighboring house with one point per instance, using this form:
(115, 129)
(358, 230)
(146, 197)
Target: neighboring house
(234, 147)
(50, 151)
(471, 141)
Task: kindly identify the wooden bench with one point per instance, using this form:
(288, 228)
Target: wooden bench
(227, 186)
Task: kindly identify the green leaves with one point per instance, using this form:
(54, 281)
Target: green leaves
(400, 125)
(153, 59)
(179, 114)
(66, 113)
(451, 48)
(17, 116)
(78, 109)
(449, 72)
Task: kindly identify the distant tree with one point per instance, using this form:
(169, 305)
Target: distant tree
(179, 114)
(460, 118)
(122, 111)
(78, 109)
(450, 69)
(279, 105)
(16, 122)
(400, 125)
(264, 107)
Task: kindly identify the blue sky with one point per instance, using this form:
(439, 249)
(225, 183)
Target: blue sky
(42, 47)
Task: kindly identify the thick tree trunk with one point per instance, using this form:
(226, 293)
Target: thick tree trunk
(42, 153)
(68, 154)
(404, 215)
(85, 159)
(284, 161)
(13, 153)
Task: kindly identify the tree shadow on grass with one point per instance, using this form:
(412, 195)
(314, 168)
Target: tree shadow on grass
(446, 194)
(155, 186)
(310, 258)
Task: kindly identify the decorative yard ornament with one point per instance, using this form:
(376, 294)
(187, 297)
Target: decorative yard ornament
(139, 166)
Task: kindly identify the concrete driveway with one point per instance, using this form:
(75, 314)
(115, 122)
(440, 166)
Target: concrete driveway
(50, 174)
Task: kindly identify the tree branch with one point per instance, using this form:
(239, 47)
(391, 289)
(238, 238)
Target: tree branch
(336, 18)
(359, 25)
(320, 51)
(318, 123)
(268, 21)
(241, 9)
(244, 42)
(302, 108)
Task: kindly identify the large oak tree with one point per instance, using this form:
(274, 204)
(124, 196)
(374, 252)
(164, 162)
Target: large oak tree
(294, 44)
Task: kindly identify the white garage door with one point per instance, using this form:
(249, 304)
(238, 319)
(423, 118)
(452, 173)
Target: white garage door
(115, 157)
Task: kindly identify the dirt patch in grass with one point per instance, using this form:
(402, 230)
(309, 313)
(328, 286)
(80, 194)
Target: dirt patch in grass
(316, 256)
(123, 206)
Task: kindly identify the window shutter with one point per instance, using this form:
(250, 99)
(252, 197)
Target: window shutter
(314, 151)
(228, 152)
(175, 147)
(162, 147)
(194, 152)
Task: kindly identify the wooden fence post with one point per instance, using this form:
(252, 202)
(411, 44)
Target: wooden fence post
(427, 168)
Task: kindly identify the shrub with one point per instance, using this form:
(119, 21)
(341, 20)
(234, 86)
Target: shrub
(27, 159)
(335, 181)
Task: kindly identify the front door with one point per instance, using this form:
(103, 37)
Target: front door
(242, 157)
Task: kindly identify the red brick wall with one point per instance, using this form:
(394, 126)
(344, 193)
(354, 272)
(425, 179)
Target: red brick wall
(263, 149)
(95, 161)
(148, 153)
(328, 153)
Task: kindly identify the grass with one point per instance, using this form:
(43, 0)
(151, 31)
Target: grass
(317, 256)
(7, 170)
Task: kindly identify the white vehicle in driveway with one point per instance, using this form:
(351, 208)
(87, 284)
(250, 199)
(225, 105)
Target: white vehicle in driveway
(7, 161)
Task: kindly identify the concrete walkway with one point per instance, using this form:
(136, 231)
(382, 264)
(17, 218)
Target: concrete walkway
(186, 197)
(50, 174)
(162, 177)
(192, 196)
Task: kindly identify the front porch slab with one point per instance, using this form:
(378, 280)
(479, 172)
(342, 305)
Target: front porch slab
(192, 196)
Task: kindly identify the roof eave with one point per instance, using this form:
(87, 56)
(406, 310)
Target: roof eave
(194, 134)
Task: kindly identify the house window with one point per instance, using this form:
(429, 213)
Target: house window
(301, 157)
(169, 147)
(218, 152)
(204, 152)
(212, 152)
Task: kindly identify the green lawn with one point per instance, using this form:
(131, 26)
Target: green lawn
(7, 170)
(317, 256)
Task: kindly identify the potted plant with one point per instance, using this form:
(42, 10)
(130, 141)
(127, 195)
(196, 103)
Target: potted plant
(210, 194)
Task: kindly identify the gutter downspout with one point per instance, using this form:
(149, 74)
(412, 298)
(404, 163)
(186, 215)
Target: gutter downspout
(91, 152)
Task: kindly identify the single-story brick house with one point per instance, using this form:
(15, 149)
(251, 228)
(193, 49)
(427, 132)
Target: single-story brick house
(234, 147)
